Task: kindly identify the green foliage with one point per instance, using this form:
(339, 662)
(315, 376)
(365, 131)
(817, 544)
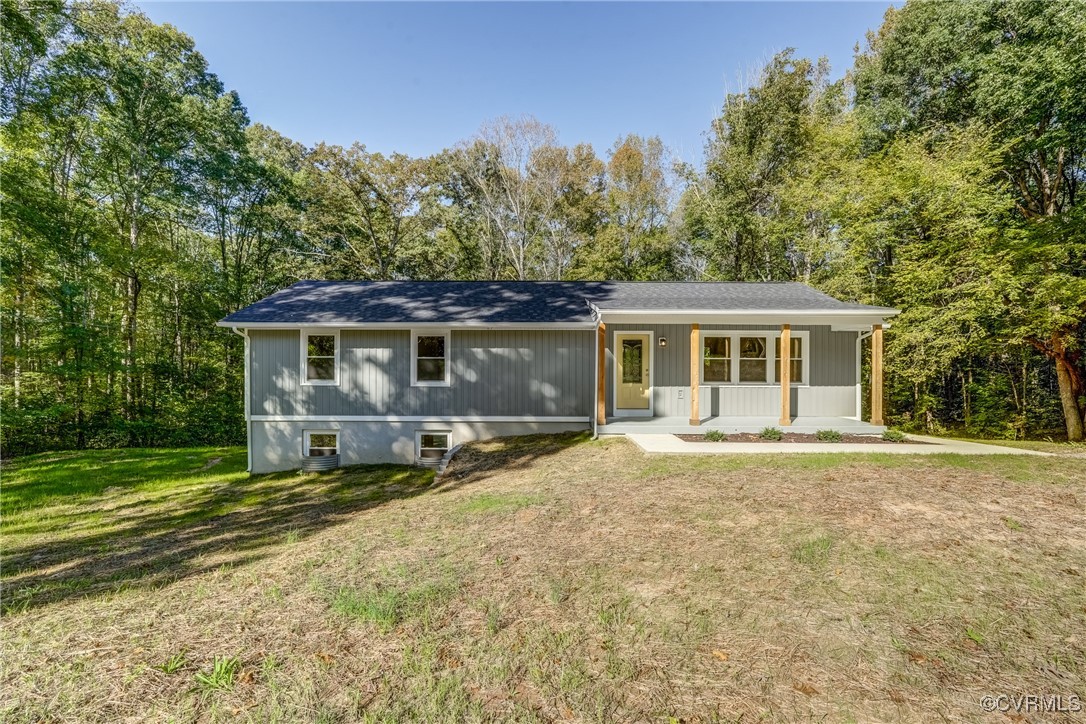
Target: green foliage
(771, 433)
(828, 436)
(140, 206)
(224, 671)
(715, 436)
(173, 664)
(893, 436)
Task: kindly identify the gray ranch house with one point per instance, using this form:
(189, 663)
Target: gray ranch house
(402, 371)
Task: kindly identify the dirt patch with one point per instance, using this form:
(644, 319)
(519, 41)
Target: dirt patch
(211, 463)
(800, 437)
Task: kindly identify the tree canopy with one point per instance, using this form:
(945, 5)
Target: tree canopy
(940, 175)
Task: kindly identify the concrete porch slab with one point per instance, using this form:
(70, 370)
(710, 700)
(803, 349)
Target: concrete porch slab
(682, 426)
(669, 444)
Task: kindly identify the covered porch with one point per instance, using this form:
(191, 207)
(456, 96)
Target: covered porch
(669, 375)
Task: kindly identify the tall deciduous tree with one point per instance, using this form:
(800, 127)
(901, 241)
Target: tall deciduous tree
(1017, 68)
(755, 145)
(633, 241)
(366, 210)
(152, 92)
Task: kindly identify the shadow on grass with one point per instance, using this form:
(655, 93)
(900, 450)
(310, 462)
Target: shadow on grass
(482, 460)
(185, 526)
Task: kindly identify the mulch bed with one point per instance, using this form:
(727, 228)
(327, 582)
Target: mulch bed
(799, 437)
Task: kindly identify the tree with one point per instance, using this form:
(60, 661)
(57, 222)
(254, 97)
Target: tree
(633, 241)
(1016, 68)
(756, 143)
(365, 209)
(503, 168)
(151, 88)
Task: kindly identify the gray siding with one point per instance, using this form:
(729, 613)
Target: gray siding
(494, 373)
(831, 391)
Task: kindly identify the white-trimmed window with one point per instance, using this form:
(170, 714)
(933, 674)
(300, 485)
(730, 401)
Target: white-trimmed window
(734, 357)
(321, 442)
(432, 444)
(716, 364)
(430, 358)
(320, 357)
(795, 361)
(752, 358)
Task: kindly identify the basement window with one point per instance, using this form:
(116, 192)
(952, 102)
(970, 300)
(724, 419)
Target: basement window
(432, 444)
(321, 442)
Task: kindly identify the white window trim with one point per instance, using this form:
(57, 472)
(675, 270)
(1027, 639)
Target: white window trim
(415, 334)
(418, 440)
(770, 336)
(306, 434)
(304, 345)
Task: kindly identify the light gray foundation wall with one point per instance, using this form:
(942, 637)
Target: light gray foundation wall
(278, 445)
(831, 392)
(494, 373)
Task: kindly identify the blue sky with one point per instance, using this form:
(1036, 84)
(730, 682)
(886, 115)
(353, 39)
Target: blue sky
(419, 77)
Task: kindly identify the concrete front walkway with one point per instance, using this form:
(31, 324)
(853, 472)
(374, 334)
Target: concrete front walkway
(671, 445)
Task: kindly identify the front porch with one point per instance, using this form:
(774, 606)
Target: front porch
(732, 424)
(672, 376)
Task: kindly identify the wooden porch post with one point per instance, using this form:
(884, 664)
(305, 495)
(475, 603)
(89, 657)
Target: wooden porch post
(695, 373)
(876, 375)
(786, 375)
(601, 374)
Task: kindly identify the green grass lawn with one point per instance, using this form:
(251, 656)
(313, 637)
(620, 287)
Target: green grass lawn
(542, 578)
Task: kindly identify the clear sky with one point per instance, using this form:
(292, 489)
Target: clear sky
(419, 77)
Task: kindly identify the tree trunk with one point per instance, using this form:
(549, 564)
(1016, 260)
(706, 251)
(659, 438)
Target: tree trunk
(1072, 415)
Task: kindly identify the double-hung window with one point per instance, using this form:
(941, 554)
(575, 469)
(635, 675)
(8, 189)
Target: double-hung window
(320, 357)
(795, 361)
(716, 365)
(752, 359)
(430, 358)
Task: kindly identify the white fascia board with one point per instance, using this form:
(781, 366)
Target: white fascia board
(774, 317)
(874, 311)
(418, 418)
(408, 325)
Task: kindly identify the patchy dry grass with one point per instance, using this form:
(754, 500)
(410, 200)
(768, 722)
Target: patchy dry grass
(542, 579)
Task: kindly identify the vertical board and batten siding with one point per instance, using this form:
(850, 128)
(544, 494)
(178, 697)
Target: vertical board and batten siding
(493, 373)
(830, 392)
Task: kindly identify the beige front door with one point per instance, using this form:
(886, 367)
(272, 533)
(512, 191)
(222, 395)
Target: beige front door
(633, 376)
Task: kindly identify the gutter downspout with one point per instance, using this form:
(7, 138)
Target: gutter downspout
(248, 416)
(860, 337)
(595, 376)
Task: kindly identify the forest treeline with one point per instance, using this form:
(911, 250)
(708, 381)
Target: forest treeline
(940, 176)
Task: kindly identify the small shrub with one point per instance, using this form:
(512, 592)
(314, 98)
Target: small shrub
(715, 436)
(828, 436)
(221, 676)
(771, 433)
(893, 436)
(173, 664)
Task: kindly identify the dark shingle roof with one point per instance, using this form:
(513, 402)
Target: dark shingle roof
(315, 302)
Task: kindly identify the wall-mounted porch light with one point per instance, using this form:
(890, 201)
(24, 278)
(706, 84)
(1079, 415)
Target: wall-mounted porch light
(663, 341)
